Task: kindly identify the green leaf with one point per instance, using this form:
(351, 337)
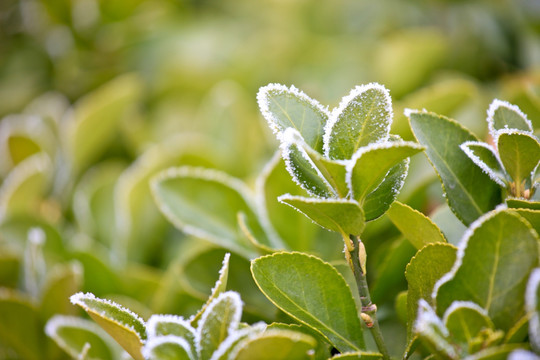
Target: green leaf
(302, 168)
(494, 260)
(10, 265)
(415, 226)
(74, 335)
(468, 190)
(25, 187)
(94, 120)
(205, 203)
(167, 347)
(433, 333)
(312, 292)
(357, 355)
(232, 342)
(362, 118)
(465, 320)
(219, 287)
(532, 306)
(220, 319)
(503, 115)
(522, 204)
(163, 325)
(286, 108)
(519, 332)
(520, 154)
(379, 200)
(340, 215)
(276, 345)
(370, 164)
(63, 281)
(424, 270)
(123, 325)
(485, 158)
(20, 327)
(500, 352)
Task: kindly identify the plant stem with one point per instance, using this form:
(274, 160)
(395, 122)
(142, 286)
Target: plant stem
(365, 298)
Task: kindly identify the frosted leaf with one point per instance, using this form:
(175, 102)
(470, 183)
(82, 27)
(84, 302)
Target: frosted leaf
(285, 107)
(161, 325)
(531, 305)
(430, 328)
(363, 117)
(302, 168)
(168, 347)
(486, 159)
(234, 338)
(503, 115)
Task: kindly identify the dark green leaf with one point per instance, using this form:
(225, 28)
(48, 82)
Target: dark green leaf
(484, 157)
(469, 191)
(314, 293)
(520, 154)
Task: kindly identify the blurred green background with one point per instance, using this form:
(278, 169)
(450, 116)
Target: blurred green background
(96, 96)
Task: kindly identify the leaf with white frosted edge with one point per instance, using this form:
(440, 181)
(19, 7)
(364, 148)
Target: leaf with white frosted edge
(163, 325)
(485, 157)
(20, 325)
(340, 215)
(503, 115)
(465, 320)
(168, 347)
(433, 333)
(126, 327)
(226, 347)
(423, 271)
(302, 167)
(205, 203)
(469, 191)
(73, 334)
(25, 187)
(519, 153)
(286, 108)
(219, 288)
(220, 319)
(312, 292)
(370, 164)
(363, 117)
(358, 355)
(92, 123)
(379, 200)
(415, 226)
(532, 305)
(276, 345)
(494, 260)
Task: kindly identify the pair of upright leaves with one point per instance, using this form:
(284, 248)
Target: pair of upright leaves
(473, 172)
(345, 159)
(214, 333)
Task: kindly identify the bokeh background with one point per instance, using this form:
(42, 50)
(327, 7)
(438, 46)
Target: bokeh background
(96, 96)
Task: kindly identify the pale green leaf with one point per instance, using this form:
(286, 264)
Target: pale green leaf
(520, 154)
(205, 203)
(73, 334)
(465, 320)
(532, 306)
(219, 287)
(340, 215)
(500, 352)
(469, 191)
(127, 328)
(370, 164)
(168, 347)
(494, 260)
(415, 226)
(314, 293)
(220, 319)
(362, 118)
(448, 223)
(20, 326)
(61, 283)
(433, 334)
(424, 270)
(503, 115)
(286, 108)
(276, 345)
(163, 325)
(227, 347)
(358, 355)
(92, 124)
